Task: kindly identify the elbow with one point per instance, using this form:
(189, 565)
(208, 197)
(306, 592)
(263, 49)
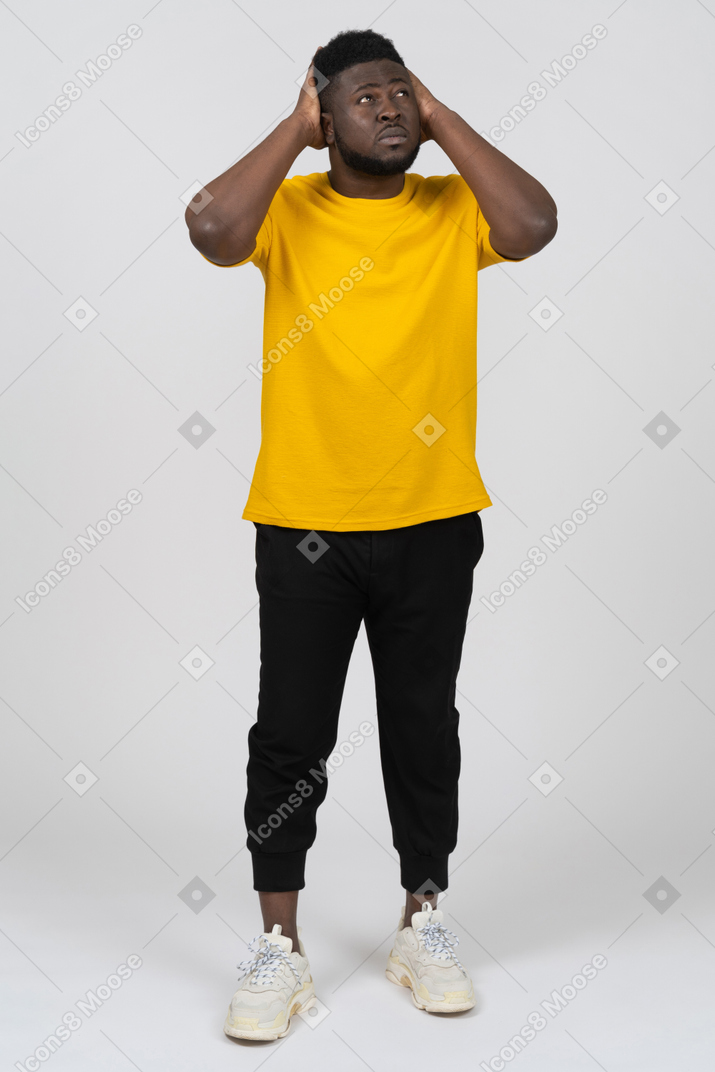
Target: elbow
(531, 237)
(216, 242)
(205, 234)
(543, 231)
(549, 224)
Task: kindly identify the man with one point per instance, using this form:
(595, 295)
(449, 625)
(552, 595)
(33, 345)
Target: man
(366, 493)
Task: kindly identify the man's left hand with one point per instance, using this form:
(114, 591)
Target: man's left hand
(427, 105)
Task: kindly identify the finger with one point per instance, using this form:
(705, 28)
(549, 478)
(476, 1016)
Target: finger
(311, 78)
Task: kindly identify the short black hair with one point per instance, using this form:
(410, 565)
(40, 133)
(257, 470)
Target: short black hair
(345, 50)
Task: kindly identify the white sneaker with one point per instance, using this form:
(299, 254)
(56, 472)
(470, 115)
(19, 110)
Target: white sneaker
(423, 958)
(276, 983)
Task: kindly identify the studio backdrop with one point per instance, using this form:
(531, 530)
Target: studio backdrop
(129, 644)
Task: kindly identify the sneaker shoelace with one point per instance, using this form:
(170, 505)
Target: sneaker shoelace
(268, 958)
(438, 943)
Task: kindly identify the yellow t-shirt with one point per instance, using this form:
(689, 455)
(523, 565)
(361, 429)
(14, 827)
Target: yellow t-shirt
(368, 401)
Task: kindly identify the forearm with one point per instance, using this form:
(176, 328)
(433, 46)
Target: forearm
(520, 212)
(225, 229)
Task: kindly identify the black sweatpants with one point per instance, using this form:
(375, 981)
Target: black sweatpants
(413, 587)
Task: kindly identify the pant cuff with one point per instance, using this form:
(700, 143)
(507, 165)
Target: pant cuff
(278, 872)
(420, 874)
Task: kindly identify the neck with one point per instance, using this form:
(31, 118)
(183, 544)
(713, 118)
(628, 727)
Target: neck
(350, 183)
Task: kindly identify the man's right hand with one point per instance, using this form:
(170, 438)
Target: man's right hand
(307, 110)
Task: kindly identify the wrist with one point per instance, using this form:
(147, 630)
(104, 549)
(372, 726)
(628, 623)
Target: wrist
(300, 128)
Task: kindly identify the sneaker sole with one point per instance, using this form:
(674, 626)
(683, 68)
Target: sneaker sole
(406, 979)
(268, 1034)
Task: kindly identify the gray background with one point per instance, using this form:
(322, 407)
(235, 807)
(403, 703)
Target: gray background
(541, 882)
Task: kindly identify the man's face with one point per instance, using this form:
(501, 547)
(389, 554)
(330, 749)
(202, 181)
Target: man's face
(374, 123)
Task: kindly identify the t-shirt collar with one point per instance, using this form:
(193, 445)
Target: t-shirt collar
(371, 204)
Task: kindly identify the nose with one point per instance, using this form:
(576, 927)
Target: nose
(390, 112)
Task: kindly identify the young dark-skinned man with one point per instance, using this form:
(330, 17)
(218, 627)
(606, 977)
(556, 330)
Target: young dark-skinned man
(366, 494)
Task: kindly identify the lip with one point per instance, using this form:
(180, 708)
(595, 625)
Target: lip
(393, 135)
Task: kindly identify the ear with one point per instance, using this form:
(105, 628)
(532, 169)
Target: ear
(326, 121)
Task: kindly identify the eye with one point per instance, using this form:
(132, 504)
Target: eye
(369, 96)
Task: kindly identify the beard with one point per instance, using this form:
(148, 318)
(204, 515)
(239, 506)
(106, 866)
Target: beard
(394, 164)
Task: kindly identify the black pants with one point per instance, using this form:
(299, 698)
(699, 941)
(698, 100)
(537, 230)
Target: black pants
(413, 588)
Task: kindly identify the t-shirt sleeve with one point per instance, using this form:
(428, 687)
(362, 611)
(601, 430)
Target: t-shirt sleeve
(260, 253)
